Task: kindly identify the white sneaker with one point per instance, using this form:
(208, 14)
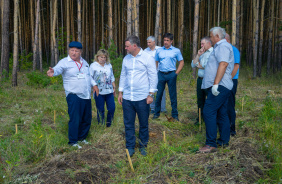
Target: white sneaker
(85, 142)
(76, 145)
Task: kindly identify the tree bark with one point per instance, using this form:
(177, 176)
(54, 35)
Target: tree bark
(234, 8)
(102, 22)
(261, 38)
(110, 21)
(269, 56)
(280, 38)
(16, 43)
(169, 16)
(68, 22)
(79, 20)
(218, 13)
(94, 29)
(238, 24)
(35, 45)
(157, 25)
(195, 32)
(256, 22)
(4, 71)
(181, 30)
(129, 17)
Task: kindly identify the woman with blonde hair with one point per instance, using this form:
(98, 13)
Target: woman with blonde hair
(103, 84)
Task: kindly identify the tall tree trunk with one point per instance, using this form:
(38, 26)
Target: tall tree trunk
(172, 16)
(32, 22)
(169, 16)
(68, 22)
(52, 63)
(79, 20)
(261, 38)
(129, 17)
(209, 15)
(94, 29)
(238, 24)
(40, 44)
(110, 21)
(5, 41)
(234, 8)
(218, 13)
(180, 37)
(157, 25)
(270, 38)
(35, 45)
(102, 21)
(54, 21)
(280, 38)
(160, 26)
(16, 42)
(195, 33)
(276, 38)
(256, 23)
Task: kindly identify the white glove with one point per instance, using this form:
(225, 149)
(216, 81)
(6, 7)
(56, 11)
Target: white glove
(215, 92)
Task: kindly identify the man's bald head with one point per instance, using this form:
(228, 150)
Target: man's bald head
(227, 37)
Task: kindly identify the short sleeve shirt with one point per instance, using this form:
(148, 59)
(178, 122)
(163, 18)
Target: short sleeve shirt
(222, 52)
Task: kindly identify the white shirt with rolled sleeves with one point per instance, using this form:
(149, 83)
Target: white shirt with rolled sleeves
(69, 69)
(138, 76)
(103, 77)
(203, 61)
(222, 51)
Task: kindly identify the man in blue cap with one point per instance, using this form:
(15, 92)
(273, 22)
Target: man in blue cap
(76, 78)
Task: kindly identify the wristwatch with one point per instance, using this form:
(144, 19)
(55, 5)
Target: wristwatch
(151, 95)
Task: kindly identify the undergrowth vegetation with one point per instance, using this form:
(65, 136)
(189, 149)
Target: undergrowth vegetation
(39, 152)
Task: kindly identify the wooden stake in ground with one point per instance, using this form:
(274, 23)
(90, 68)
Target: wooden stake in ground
(54, 116)
(129, 160)
(79, 183)
(200, 120)
(164, 137)
(16, 126)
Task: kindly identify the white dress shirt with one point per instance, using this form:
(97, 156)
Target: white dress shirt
(152, 52)
(102, 76)
(138, 76)
(76, 77)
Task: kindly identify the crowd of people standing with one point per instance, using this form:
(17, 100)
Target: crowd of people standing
(142, 83)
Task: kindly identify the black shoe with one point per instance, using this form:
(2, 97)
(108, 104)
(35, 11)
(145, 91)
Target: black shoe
(155, 117)
(108, 124)
(131, 152)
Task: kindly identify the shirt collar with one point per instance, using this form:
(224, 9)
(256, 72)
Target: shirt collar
(139, 53)
(170, 48)
(220, 42)
(210, 49)
(69, 59)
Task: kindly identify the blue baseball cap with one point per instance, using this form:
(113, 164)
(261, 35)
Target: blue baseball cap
(75, 44)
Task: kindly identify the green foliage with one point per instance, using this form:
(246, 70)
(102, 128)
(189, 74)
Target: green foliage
(41, 80)
(25, 61)
(62, 42)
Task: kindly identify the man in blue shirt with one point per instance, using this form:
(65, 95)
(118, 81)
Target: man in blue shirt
(137, 85)
(76, 78)
(231, 100)
(218, 81)
(166, 58)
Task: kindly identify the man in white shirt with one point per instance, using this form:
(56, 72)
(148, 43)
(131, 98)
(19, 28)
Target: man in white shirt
(200, 62)
(76, 78)
(138, 83)
(151, 49)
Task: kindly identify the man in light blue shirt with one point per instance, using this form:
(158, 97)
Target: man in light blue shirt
(166, 58)
(76, 78)
(200, 62)
(232, 100)
(218, 81)
(137, 85)
(151, 49)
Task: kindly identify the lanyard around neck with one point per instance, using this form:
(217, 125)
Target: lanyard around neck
(78, 66)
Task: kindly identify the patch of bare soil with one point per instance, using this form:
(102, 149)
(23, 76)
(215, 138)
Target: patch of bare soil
(90, 165)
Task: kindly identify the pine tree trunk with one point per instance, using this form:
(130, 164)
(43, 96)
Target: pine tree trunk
(276, 38)
(195, 33)
(54, 21)
(234, 8)
(256, 22)
(238, 24)
(218, 13)
(40, 44)
(261, 38)
(4, 71)
(35, 45)
(160, 25)
(32, 22)
(68, 22)
(209, 15)
(169, 16)
(280, 38)
(16, 43)
(79, 20)
(129, 17)
(94, 29)
(157, 25)
(269, 56)
(110, 21)
(102, 22)
(181, 30)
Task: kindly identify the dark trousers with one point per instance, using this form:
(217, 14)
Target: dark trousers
(130, 108)
(201, 96)
(215, 114)
(80, 113)
(170, 79)
(231, 107)
(100, 104)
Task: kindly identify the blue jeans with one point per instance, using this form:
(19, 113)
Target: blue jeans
(130, 108)
(215, 114)
(80, 113)
(231, 107)
(100, 103)
(152, 105)
(170, 79)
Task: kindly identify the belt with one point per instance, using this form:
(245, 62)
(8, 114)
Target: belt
(167, 72)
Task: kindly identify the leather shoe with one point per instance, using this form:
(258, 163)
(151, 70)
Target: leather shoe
(207, 149)
(155, 117)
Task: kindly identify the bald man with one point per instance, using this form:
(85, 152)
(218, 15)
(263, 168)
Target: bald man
(231, 100)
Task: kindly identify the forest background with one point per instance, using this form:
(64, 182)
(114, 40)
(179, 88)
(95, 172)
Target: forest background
(35, 35)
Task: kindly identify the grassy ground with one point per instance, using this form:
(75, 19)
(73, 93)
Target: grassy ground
(39, 153)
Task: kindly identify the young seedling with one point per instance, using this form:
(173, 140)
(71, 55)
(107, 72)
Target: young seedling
(129, 160)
